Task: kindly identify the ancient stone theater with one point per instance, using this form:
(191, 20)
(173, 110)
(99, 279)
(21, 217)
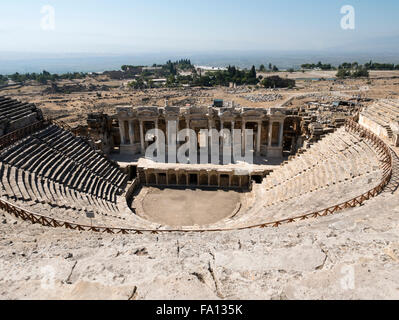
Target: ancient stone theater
(99, 178)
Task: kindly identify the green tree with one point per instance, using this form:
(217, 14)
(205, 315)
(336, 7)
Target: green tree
(252, 73)
(343, 73)
(277, 82)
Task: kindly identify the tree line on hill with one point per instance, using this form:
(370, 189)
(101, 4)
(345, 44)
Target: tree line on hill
(42, 77)
(144, 76)
(352, 69)
(271, 68)
(319, 65)
(214, 78)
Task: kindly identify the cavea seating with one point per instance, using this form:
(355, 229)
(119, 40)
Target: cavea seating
(15, 114)
(336, 169)
(50, 173)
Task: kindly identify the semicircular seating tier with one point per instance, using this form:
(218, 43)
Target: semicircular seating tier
(382, 118)
(56, 174)
(15, 114)
(338, 168)
(53, 173)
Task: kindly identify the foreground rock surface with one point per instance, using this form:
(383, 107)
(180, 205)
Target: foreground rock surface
(352, 255)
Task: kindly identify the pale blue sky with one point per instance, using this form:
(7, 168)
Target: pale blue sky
(128, 26)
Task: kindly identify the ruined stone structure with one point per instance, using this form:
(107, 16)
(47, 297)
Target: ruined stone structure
(383, 119)
(267, 124)
(51, 176)
(100, 131)
(15, 115)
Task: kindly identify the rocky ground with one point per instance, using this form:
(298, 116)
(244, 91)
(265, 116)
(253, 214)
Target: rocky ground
(350, 255)
(72, 100)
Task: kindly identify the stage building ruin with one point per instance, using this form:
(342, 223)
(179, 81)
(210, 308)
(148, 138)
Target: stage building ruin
(268, 125)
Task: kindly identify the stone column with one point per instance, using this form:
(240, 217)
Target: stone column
(243, 137)
(157, 142)
(221, 135)
(293, 145)
(280, 137)
(210, 127)
(142, 137)
(270, 133)
(177, 131)
(166, 139)
(122, 131)
(131, 131)
(258, 138)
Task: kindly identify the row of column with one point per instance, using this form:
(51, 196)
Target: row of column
(131, 132)
(243, 127)
(241, 181)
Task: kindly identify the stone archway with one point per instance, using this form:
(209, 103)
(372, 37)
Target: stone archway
(151, 179)
(162, 178)
(244, 181)
(235, 181)
(193, 179)
(172, 179)
(203, 179)
(214, 180)
(182, 179)
(224, 180)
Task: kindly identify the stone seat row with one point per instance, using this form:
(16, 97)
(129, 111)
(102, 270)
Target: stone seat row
(81, 152)
(319, 199)
(381, 114)
(42, 196)
(51, 199)
(44, 163)
(342, 150)
(20, 184)
(390, 107)
(304, 203)
(91, 175)
(331, 177)
(13, 109)
(333, 174)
